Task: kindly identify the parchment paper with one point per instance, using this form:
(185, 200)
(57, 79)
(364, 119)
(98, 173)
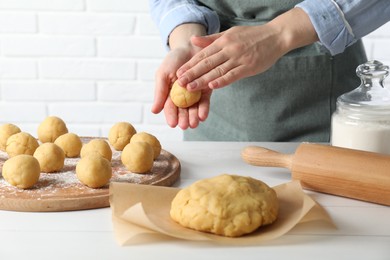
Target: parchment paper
(140, 214)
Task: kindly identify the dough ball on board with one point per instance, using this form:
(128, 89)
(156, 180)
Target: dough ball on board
(120, 135)
(183, 98)
(94, 171)
(70, 143)
(226, 205)
(21, 143)
(150, 139)
(138, 157)
(51, 128)
(98, 146)
(6, 131)
(50, 156)
(21, 171)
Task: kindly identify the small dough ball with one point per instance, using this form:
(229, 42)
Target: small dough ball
(51, 128)
(98, 146)
(21, 171)
(150, 139)
(120, 135)
(226, 205)
(94, 171)
(6, 131)
(70, 143)
(50, 156)
(183, 98)
(138, 157)
(21, 143)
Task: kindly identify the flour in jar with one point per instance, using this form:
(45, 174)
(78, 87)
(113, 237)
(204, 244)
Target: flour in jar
(367, 136)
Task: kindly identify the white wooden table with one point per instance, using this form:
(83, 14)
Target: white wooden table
(363, 229)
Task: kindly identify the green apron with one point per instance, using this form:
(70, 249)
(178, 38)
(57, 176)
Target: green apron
(292, 101)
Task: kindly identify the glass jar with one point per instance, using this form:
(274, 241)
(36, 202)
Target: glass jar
(362, 117)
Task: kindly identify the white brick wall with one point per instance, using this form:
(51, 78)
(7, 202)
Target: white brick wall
(90, 62)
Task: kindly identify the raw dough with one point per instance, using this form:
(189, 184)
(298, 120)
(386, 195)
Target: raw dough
(6, 131)
(183, 98)
(99, 146)
(21, 143)
(150, 139)
(138, 157)
(21, 171)
(50, 156)
(51, 128)
(120, 135)
(70, 143)
(226, 205)
(94, 171)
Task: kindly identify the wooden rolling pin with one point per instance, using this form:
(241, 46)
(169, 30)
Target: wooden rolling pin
(334, 170)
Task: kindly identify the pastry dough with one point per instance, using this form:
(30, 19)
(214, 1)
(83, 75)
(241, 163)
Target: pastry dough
(50, 156)
(22, 171)
(98, 146)
(120, 135)
(51, 128)
(227, 205)
(70, 143)
(150, 139)
(94, 171)
(21, 143)
(137, 157)
(183, 98)
(6, 131)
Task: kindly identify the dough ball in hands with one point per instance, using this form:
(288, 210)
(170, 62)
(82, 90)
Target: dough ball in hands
(51, 128)
(97, 146)
(120, 135)
(70, 143)
(226, 205)
(94, 171)
(50, 156)
(138, 157)
(6, 131)
(150, 139)
(21, 143)
(183, 98)
(21, 171)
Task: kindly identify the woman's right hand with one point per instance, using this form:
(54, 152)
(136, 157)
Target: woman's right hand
(181, 52)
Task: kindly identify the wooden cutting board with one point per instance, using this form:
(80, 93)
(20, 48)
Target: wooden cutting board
(62, 191)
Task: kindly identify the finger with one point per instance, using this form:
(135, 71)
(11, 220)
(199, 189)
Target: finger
(229, 77)
(203, 81)
(171, 113)
(204, 105)
(161, 92)
(196, 78)
(200, 56)
(183, 122)
(193, 116)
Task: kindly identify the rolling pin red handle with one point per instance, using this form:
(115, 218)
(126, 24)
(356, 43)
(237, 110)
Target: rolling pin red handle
(260, 156)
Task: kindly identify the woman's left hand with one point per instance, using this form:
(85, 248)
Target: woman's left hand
(229, 56)
(244, 51)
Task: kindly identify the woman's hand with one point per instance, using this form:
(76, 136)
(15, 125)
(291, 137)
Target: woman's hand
(229, 56)
(181, 51)
(244, 51)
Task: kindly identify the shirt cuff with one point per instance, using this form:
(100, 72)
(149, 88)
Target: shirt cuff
(328, 20)
(188, 14)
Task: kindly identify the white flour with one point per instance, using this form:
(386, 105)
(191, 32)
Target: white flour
(373, 137)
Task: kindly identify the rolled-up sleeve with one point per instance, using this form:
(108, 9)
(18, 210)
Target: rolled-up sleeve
(168, 14)
(340, 23)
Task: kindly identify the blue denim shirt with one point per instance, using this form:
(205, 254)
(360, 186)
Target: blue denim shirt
(338, 23)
